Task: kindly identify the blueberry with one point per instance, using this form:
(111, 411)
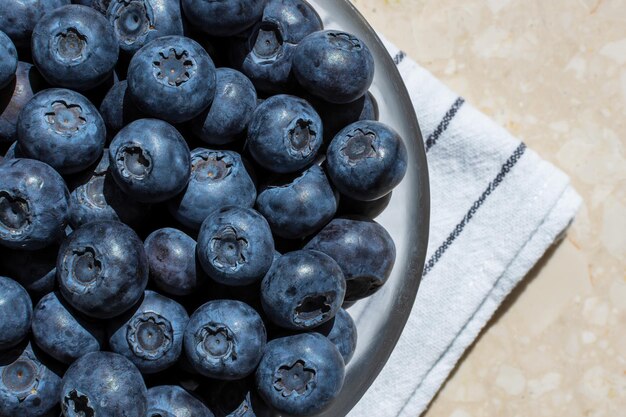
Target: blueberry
(63, 129)
(337, 116)
(264, 53)
(298, 207)
(366, 160)
(223, 18)
(150, 335)
(34, 270)
(14, 97)
(172, 259)
(370, 209)
(335, 66)
(173, 401)
(117, 109)
(363, 249)
(18, 18)
(228, 116)
(102, 269)
(225, 339)
(341, 330)
(98, 198)
(218, 179)
(150, 160)
(303, 290)
(99, 5)
(285, 134)
(137, 22)
(235, 246)
(74, 47)
(33, 204)
(16, 312)
(28, 386)
(8, 60)
(62, 332)
(103, 384)
(300, 375)
(172, 78)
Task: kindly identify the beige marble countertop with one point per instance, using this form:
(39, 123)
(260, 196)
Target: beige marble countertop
(554, 73)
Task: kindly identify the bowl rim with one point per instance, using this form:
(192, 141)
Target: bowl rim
(359, 379)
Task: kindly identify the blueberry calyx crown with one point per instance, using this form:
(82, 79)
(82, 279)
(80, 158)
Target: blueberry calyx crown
(359, 146)
(150, 336)
(22, 377)
(15, 215)
(295, 379)
(174, 68)
(70, 45)
(133, 162)
(92, 193)
(229, 249)
(83, 269)
(215, 341)
(77, 404)
(211, 166)
(268, 41)
(65, 118)
(300, 139)
(132, 19)
(313, 310)
(159, 413)
(345, 41)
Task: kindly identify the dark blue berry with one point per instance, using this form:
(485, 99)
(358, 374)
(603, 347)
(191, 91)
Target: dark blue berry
(172, 78)
(103, 384)
(74, 47)
(117, 109)
(363, 249)
(150, 335)
(99, 5)
(173, 401)
(8, 60)
(264, 53)
(218, 179)
(62, 332)
(150, 160)
(33, 204)
(223, 18)
(300, 375)
(298, 207)
(303, 290)
(102, 269)
(137, 22)
(16, 312)
(228, 116)
(98, 198)
(336, 66)
(341, 330)
(18, 18)
(172, 259)
(285, 134)
(63, 129)
(28, 386)
(225, 339)
(366, 160)
(14, 97)
(235, 246)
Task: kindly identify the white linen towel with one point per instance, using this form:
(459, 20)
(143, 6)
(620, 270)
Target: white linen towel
(496, 207)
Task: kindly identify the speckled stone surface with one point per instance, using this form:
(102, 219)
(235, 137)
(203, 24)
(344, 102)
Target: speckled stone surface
(553, 73)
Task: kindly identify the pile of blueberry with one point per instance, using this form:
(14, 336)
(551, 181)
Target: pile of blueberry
(170, 225)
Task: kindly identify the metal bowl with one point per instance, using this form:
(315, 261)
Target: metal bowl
(381, 318)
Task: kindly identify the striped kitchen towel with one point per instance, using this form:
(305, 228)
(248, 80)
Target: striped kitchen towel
(496, 207)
